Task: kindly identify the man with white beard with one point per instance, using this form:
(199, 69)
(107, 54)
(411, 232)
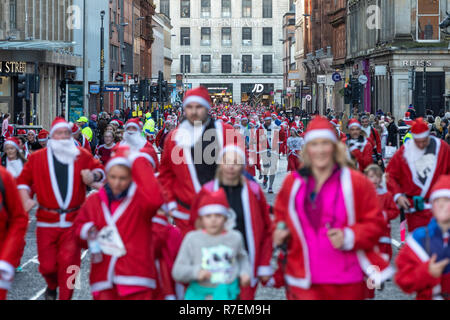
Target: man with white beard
(58, 175)
(414, 170)
(132, 137)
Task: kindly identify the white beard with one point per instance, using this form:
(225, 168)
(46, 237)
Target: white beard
(134, 140)
(65, 150)
(367, 131)
(412, 153)
(188, 134)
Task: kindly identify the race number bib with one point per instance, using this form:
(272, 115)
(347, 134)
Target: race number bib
(110, 242)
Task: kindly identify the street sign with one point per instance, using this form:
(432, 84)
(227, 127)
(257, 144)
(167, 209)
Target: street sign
(363, 79)
(94, 88)
(322, 79)
(336, 77)
(113, 88)
(119, 77)
(308, 97)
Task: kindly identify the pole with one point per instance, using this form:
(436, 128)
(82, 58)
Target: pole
(424, 84)
(85, 67)
(102, 62)
(36, 83)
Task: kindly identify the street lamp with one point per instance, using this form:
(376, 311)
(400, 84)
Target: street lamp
(102, 61)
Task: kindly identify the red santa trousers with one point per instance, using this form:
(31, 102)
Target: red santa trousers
(248, 293)
(418, 219)
(3, 294)
(352, 291)
(58, 255)
(112, 294)
(293, 163)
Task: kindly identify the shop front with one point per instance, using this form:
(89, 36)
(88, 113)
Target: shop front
(256, 93)
(220, 92)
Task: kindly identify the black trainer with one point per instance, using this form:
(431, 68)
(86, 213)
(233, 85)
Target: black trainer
(50, 294)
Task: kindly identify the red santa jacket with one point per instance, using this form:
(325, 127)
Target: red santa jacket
(13, 227)
(374, 139)
(257, 219)
(362, 152)
(103, 153)
(39, 175)
(390, 212)
(402, 177)
(86, 145)
(363, 218)
(133, 220)
(177, 173)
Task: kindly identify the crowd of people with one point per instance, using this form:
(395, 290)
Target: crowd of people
(179, 211)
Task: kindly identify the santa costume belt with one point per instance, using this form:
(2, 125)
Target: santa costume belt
(59, 211)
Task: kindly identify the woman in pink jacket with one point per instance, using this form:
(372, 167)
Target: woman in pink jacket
(331, 220)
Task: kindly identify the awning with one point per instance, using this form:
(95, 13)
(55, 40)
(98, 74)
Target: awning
(35, 45)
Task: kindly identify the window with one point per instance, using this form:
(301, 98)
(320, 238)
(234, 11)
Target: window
(12, 14)
(185, 11)
(205, 8)
(185, 38)
(226, 64)
(267, 8)
(246, 64)
(246, 36)
(206, 64)
(185, 66)
(226, 8)
(267, 36)
(165, 7)
(267, 64)
(428, 20)
(206, 37)
(246, 8)
(226, 37)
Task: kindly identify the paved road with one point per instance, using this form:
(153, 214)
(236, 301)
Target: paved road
(29, 284)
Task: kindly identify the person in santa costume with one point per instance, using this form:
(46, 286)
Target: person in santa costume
(331, 221)
(13, 159)
(371, 133)
(80, 139)
(133, 139)
(249, 211)
(424, 262)
(118, 220)
(103, 152)
(267, 138)
(190, 155)
(284, 134)
(295, 144)
(359, 146)
(58, 175)
(342, 136)
(43, 138)
(413, 171)
(13, 228)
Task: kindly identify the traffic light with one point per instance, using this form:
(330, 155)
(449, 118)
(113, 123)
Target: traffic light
(62, 87)
(21, 86)
(165, 91)
(154, 93)
(134, 92)
(348, 93)
(143, 90)
(356, 92)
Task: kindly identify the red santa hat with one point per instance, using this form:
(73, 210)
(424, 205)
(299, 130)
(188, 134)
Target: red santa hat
(441, 189)
(214, 202)
(32, 131)
(267, 116)
(354, 123)
(244, 118)
(320, 127)
(420, 129)
(117, 122)
(43, 135)
(75, 128)
(12, 141)
(135, 122)
(407, 115)
(119, 158)
(21, 132)
(59, 123)
(335, 122)
(198, 95)
(236, 148)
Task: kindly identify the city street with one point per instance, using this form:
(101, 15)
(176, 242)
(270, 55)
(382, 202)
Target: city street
(29, 284)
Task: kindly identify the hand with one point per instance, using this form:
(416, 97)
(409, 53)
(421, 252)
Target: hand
(436, 268)
(280, 236)
(203, 275)
(88, 177)
(403, 202)
(245, 280)
(29, 204)
(336, 237)
(264, 279)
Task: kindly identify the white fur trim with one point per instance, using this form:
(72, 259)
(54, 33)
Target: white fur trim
(354, 125)
(159, 221)
(232, 148)
(198, 100)
(417, 248)
(442, 193)
(24, 187)
(133, 280)
(349, 239)
(84, 230)
(118, 161)
(320, 133)
(248, 228)
(398, 195)
(172, 205)
(11, 143)
(143, 155)
(180, 215)
(213, 209)
(132, 124)
(421, 135)
(63, 203)
(8, 269)
(264, 271)
(60, 125)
